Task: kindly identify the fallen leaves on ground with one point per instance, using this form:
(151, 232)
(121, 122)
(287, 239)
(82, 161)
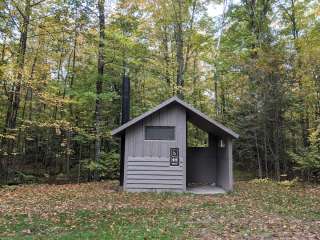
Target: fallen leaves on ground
(255, 210)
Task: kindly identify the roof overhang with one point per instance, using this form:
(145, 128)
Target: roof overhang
(196, 117)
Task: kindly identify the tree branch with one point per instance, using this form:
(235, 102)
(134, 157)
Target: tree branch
(36, 3)
(17, 7)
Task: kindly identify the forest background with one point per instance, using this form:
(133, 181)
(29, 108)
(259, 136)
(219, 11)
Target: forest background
(255, 67)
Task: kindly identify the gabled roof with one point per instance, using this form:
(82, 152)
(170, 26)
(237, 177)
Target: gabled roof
(195, 116)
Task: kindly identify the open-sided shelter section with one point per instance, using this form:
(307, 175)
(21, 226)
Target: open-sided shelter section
(210, 165)
(156, 156)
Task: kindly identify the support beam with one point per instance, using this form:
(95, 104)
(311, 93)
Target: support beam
(225, 166)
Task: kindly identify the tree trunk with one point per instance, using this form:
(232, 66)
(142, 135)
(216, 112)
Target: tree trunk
(265, 151)
(179, 49)
(216, 96)
(101, 62)
(14, 95)
(125, 97)
(165, 43)
(277, 129)
(75, 44)
(258, 155)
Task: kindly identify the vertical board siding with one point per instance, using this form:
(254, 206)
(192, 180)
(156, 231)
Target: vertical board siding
(147, 166)
(224, 166)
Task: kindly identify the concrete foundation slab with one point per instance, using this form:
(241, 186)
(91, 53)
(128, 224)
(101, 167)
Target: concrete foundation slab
(206, 190)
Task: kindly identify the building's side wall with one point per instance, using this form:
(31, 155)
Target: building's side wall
(201, 165)
(147, 165)
(225, 166)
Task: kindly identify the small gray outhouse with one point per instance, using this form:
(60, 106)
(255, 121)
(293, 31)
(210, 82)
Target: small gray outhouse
(157, 157)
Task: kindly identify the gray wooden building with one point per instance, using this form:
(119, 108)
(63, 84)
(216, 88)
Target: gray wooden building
(156, 153)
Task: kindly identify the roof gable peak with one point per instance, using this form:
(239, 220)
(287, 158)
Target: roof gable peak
(169, 101)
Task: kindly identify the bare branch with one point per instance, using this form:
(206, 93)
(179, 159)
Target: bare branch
(37, 3)
(17, 7)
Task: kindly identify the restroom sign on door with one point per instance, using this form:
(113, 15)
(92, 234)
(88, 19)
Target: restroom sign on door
(174, 156)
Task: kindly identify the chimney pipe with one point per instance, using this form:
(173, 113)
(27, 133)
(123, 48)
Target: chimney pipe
(125, 116)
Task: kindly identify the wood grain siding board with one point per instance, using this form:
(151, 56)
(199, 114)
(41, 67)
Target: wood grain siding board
(155, 181)
(153, 168)
(162, 164)
(140, 135)
(134, 190)
(157, 177)
(154, 173)
(154, 186)
(148, 159)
